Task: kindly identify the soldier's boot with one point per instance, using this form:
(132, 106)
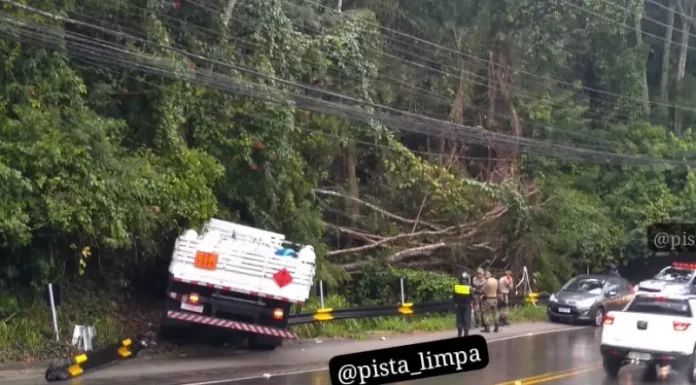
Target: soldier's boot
(466, 332)
(459, 332)
(497, 329)
(486, 329)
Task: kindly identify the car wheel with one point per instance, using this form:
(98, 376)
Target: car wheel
(598, 317)
(692, 369)
(650, 374)
(611, 366)
(553, 319)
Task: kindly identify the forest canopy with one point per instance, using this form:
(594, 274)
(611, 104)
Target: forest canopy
(436, 135)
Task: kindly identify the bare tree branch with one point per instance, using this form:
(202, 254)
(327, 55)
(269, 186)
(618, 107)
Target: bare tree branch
(376, 208)
(447, 231)
(355, 233)
(415, 251)
(420, 211)
(401, 255)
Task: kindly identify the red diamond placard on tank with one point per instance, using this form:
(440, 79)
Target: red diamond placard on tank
(282, 278)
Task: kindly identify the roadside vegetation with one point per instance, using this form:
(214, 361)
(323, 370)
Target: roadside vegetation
(573, 135)
(27, 334)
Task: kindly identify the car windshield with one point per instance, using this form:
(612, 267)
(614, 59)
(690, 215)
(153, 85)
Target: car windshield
(585, 285)
(672, 274)
(661, 306)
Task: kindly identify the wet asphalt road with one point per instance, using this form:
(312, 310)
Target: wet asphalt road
(510, 360)
(568, 357)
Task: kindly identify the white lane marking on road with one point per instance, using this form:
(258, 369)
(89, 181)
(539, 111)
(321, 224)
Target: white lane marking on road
(327, 368)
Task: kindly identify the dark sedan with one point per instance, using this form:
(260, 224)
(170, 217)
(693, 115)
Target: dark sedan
(587, 298)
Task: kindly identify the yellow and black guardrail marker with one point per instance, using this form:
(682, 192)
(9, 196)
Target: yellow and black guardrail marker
(75, 369)
(124, 351)
(324, 315)
(406, 308)
(532, 298)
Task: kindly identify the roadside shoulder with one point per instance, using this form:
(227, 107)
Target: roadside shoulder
(300, 353)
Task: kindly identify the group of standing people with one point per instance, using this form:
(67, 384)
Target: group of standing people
(480, 299)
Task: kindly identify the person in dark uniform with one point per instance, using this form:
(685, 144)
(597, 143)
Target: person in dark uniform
(611, 270)
(462, 301)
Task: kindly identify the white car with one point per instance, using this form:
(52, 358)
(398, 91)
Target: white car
(653, 330)
(676, 279)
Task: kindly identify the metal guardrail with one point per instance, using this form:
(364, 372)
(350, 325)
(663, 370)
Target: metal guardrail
(129, 348)
(328, 314)
(77, 366)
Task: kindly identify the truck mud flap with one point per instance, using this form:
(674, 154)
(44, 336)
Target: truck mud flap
(233, 325)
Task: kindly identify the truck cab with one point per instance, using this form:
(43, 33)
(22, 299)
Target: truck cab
(237, 278)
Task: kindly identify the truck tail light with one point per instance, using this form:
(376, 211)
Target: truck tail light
(278, 314)
(194, 298)
(680, 326)
(608, 320)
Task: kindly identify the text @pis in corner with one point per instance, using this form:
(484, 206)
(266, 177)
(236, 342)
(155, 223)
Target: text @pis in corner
(410, 362)
(672, 237)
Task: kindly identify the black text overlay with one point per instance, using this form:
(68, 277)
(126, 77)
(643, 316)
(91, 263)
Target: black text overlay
(410, 362)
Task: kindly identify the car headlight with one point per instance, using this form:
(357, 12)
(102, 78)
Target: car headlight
(586, 303)
(553, 298)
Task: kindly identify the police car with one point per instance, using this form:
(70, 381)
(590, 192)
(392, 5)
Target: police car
(653, 330)
(675, 279)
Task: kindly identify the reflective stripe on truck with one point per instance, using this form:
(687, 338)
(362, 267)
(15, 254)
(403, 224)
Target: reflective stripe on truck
(229, 289)
(234, 325)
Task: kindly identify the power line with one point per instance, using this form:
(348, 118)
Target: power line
(322, 133)
(630, 28)
(93, 50)
(598, 143)
(647, 18)
(522, 93)
(519, 70)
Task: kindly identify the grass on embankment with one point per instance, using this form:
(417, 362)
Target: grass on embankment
(26, 335)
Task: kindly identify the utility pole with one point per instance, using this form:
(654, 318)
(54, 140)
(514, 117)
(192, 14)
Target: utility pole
(228, 11)
(223, 36)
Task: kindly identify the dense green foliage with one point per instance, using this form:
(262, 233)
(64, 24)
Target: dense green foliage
(101, 167)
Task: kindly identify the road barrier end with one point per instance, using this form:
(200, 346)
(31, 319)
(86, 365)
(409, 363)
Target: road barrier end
(532, 298)
(124, 351)
(75, 369)
(406, 308)
(324, 315)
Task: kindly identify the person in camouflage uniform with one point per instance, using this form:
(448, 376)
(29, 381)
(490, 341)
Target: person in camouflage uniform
(490, 304)
(479, 286)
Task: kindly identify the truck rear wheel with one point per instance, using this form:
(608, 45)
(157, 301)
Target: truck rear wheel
(264, 343)
(611, 366)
